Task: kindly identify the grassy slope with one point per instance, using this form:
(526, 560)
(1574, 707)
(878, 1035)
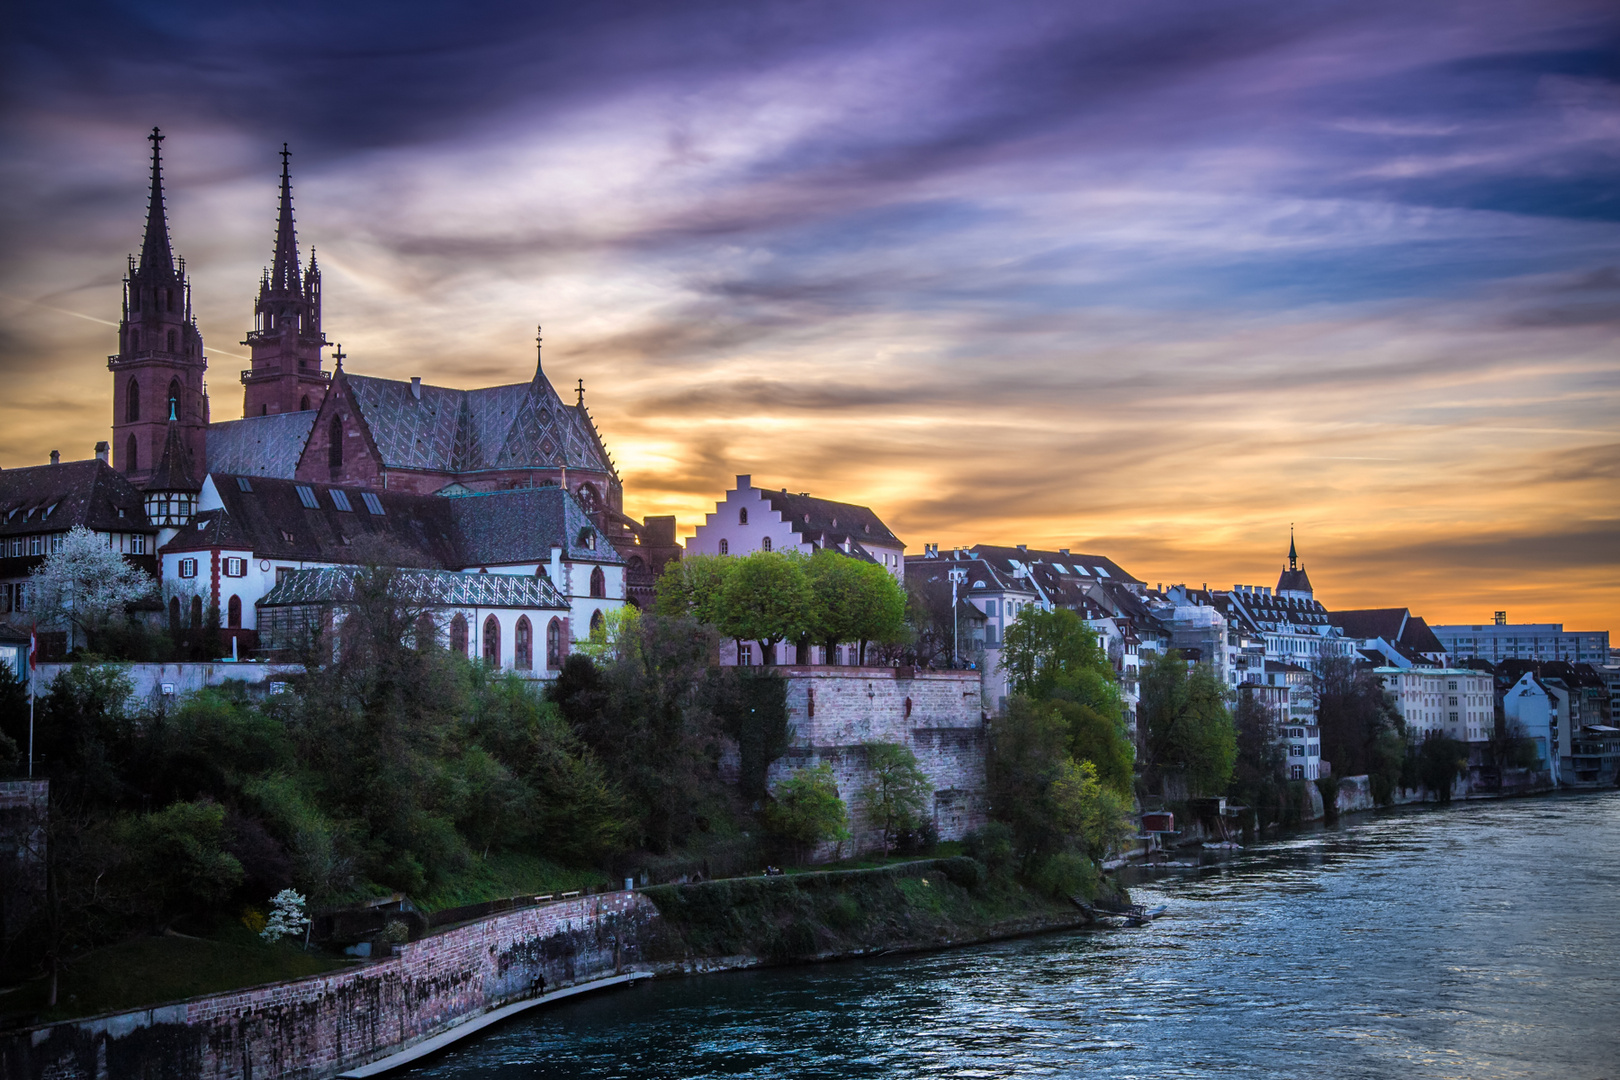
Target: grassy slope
(800, 916)
(505, 874)
(151, 970)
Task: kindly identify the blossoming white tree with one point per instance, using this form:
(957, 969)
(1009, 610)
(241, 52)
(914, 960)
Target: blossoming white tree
(84, 582)
(286, 916)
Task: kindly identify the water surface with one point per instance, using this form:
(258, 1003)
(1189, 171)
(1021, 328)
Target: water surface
(1477, 941)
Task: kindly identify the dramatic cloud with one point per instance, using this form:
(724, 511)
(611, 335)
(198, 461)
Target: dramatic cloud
(1154, 281)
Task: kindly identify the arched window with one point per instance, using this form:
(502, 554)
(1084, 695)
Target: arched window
(598, 582)
(725, 546)
(765, 544)
(742, 516)
(174, 615)
(523, 645)
(597, 623)
(130, 463)
(492, 642)
(174, 399)
(172, 341)
(132, 402)
(427, 632)
(458, 635)
(334, 447)
(303, 403)
(554, 644)
(196, 613)
(233, 613)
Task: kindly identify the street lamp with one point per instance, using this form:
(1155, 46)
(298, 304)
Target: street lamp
(958, 576)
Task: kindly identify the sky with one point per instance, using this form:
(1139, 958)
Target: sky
(1151, 280)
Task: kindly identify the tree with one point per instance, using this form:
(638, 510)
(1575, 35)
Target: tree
(692, 587)
(880, 608)
(1362, 732)
(766, 598)
(84, 583)
(176, 860)
(807, 811)
(1441, 760)
(617, 629)
(286, 916)
(1187, 726)
(836, 586)
(895, 797)
(1047, 652)
(1257, 772)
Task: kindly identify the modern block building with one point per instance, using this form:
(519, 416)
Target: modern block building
(1501, 640)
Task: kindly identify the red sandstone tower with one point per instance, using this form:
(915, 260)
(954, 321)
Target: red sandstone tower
(159, 368)
(286, 338)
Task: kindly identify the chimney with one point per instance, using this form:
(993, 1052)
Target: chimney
(416, 387)
(1023, 547)
(56, 457)
(1063, 551)
(102, 450)
(744, 481)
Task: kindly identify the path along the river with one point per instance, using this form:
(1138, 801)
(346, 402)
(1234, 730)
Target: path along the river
(1476, 941)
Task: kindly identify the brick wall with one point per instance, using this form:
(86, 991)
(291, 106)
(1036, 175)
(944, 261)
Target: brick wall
(314, 1028)
(936, 714)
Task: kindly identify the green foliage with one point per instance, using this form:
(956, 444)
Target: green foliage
(1187, 727)
(691, 588)
(807, 811)
(175, 859)
(751, 704)
(1066, 874)
(895, 798)
(1257, 775)
(992, 845)
(1048, 654)
(1355, 711)
(766, 598)
(1441, 760)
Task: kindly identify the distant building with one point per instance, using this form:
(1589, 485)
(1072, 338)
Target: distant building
(1458, 702)
(1502, 640)
(1288, 690)
(1530, 711)
(1391, 637)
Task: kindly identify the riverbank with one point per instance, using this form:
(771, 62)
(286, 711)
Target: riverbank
(446, 985)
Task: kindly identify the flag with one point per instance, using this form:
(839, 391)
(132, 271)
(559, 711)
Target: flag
(33, 649)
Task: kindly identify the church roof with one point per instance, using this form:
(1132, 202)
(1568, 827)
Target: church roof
(1294, 581)
(174, 471)
(259, 445)
(439, 429)
(495, 527)
(335, 584)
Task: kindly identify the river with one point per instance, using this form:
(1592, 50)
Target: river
(1475, 941)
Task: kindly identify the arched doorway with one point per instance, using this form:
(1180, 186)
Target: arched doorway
(458, 635)
(523, 645)
(492, 642)
(196, 613)
(233, 613)
(174, 615)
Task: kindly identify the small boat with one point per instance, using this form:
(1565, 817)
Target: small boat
(1115, 913)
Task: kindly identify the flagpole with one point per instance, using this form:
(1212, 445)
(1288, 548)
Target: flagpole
(33, 656)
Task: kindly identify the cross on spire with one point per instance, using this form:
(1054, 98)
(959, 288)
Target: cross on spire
(539, 366)
(582, 391)
(339, 354)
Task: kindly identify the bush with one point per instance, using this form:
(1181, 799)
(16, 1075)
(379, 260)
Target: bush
(1066, 874)
(963, 871)
(991, 846)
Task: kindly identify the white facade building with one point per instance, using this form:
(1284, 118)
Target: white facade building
(1458, 702)
(1531, 712)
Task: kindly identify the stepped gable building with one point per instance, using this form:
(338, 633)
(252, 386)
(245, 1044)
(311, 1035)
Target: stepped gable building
(751, 519)
(301, 422)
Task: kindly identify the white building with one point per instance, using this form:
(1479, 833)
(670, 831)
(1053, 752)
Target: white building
(1458, 702)
(1531, 712)
(1502, 640)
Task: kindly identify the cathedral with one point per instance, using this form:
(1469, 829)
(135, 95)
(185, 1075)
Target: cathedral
(301, 421)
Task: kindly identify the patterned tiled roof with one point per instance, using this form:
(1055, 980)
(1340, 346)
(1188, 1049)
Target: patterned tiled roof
(495, 527)
(831, 524)
(435, 588)
(259, 445)
(523, 425)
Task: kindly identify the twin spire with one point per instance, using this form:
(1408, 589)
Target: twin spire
(157, 257)
(284, 274)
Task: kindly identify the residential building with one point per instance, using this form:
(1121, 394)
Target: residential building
(1390, 637)
(1289, 690)
(1458, 702)
(40, 504)
(1530, 711)
(1501, 640)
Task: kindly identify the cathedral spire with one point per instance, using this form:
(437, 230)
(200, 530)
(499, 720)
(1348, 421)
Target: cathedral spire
(539, 365)
(156, 255)
(284, 266)
(1293, 555)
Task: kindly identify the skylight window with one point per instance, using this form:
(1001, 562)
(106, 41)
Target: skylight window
(1080, 570)
(306, 495)
(1100, 571)
(340, 500)
(242, 484)
(373, 504)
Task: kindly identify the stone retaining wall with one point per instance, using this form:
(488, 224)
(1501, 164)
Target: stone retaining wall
(936, 714)
(314, 1028)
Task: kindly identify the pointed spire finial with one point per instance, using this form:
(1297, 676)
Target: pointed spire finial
(539, 364)
(1293, 555)
(284, 265)
(339, 355)
(156, 254)
(581, 392)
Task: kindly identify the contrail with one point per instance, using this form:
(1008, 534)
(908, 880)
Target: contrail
(103, 322)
